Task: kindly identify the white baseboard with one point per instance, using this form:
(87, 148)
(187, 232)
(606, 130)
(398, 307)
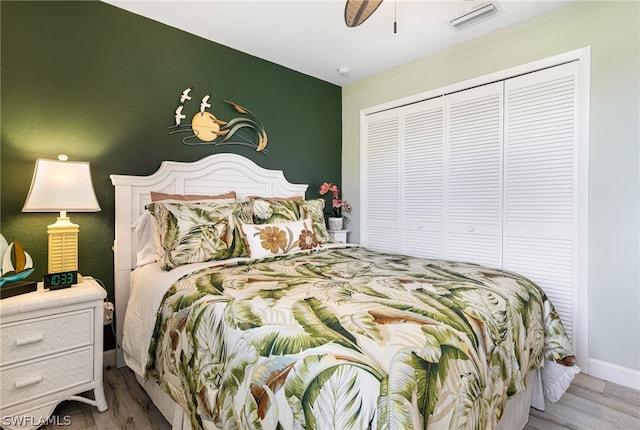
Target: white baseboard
(109, 358)
(614, 373)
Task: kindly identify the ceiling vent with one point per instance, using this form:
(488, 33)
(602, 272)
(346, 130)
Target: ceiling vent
(474, 16)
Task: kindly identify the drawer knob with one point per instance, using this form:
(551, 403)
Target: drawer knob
(471, 229)
(30, 381)
(29, 340)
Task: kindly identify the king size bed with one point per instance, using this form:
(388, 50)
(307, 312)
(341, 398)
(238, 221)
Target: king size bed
(235, 310)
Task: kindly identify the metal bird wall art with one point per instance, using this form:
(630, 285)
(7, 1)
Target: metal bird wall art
(206, 129)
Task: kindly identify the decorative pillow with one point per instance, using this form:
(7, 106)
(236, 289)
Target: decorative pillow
(314, 209)
(193, 233)
(148, 244)
(228, 197)
(268, 240)
(267, 211)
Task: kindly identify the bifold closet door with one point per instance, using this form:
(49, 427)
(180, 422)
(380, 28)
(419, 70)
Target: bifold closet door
(381, 176)
(491, 175)
(541, 183)
(422, 181)
(473, 175)
(403, 200)
(432, 175)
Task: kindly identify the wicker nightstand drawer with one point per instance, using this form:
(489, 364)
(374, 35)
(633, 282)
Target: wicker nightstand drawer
(45, 336)
(51, 351)
(21, 383)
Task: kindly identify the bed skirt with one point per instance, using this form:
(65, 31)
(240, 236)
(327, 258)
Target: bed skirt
(515, 416)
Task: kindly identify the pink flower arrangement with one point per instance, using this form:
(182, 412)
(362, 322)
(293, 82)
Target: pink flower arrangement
(337, 204)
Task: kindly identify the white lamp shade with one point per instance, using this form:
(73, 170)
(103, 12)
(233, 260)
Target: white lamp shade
(60, 186)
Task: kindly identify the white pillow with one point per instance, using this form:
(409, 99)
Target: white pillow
(148, 240)
(268, 240)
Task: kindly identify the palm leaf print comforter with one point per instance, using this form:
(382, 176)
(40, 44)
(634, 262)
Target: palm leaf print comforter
(351, 339)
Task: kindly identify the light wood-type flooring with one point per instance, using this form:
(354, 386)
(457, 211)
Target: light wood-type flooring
(590, 403)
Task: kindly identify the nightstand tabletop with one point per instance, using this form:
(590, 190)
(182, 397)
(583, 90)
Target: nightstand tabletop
(87, 290)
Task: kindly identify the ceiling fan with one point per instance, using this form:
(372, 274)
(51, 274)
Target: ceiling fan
(358, 11)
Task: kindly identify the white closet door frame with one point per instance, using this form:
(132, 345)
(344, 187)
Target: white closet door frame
(583, 58)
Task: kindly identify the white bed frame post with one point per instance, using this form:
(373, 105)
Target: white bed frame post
(122, 262)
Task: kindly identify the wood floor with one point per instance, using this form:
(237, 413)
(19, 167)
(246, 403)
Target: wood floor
(590, 403)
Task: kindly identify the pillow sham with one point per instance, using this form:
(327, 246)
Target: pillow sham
(268, 240)
(194, 233)
(266, 211)
(148, 243)
(228, 197)
(314, 209)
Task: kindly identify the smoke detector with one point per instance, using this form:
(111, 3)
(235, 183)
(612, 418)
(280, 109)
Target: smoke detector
(477, 14)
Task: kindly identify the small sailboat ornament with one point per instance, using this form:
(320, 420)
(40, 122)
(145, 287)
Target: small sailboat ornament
(16, 263)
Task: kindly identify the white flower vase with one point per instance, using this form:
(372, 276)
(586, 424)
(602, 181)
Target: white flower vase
(335, 223)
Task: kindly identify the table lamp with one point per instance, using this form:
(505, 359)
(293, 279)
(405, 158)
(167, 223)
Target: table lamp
(62, 186)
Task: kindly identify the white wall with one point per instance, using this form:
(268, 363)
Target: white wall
(612, 29)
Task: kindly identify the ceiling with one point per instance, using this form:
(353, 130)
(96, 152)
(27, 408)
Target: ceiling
(310, 36)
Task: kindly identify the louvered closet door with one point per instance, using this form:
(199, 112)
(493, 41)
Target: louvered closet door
(422, 182)
(381, 174)
(474, 175)
(540, 186)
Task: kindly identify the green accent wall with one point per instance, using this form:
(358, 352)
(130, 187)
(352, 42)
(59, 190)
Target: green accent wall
(101, 84)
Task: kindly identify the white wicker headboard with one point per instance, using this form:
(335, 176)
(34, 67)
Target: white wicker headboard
(214, 174)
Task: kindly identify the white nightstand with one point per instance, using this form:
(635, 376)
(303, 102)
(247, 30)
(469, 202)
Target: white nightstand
(339, 236)
(50, 351)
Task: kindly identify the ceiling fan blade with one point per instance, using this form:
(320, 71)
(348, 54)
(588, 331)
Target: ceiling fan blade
(357, 11)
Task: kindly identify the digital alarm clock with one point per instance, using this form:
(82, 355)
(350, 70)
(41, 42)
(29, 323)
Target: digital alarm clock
(54, 281)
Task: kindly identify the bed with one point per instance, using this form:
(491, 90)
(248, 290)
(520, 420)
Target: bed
(270, 325)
